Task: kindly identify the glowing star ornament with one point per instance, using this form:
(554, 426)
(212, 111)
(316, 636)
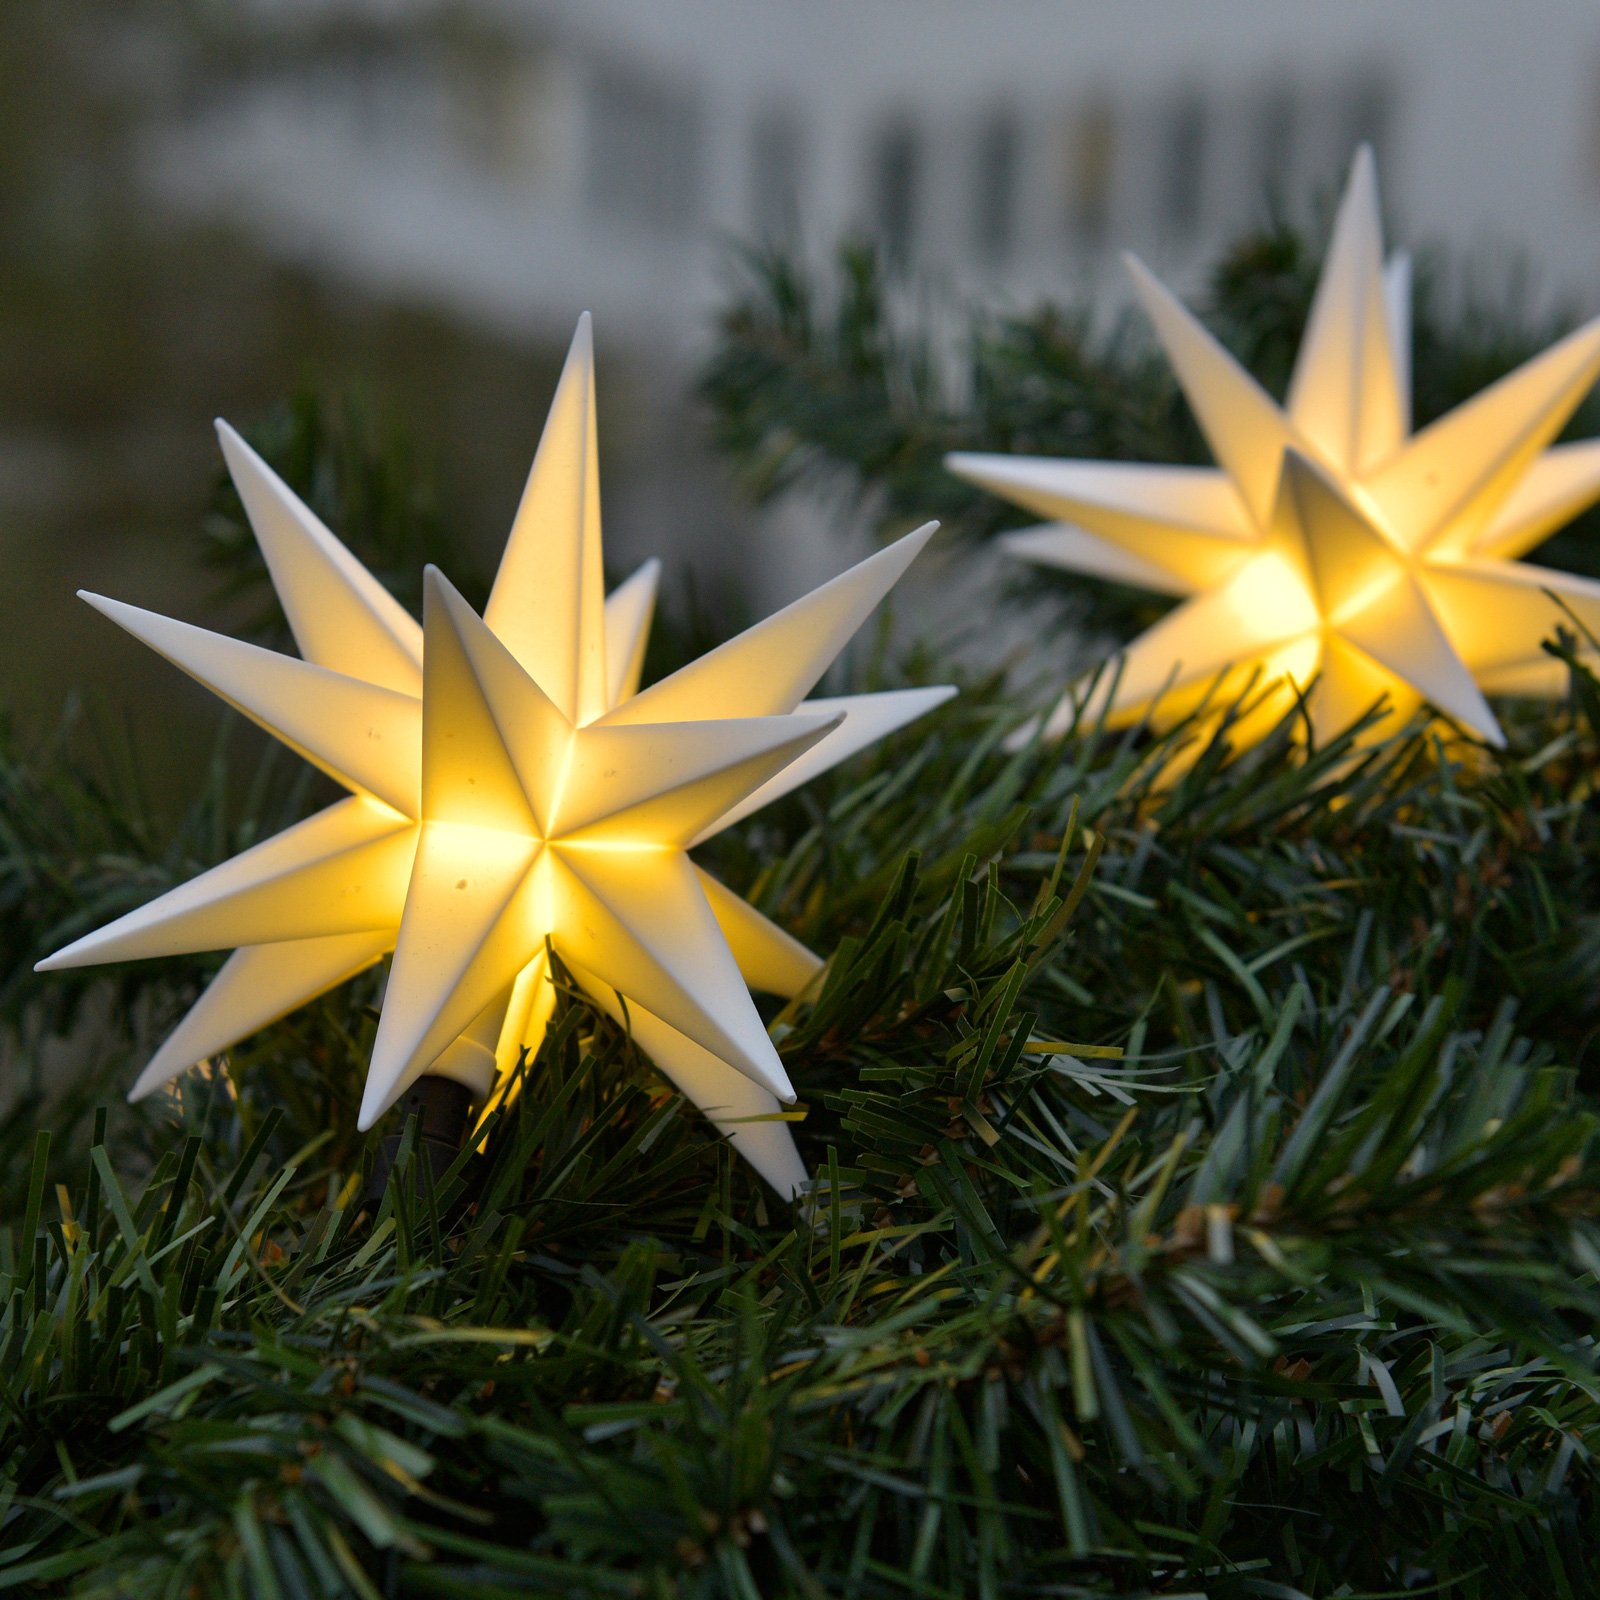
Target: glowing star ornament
(512, 793)
(1331, 548)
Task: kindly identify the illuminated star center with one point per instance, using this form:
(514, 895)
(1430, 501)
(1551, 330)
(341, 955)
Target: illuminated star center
(533, 828)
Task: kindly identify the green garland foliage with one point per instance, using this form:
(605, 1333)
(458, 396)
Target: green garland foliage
(1207, 1203)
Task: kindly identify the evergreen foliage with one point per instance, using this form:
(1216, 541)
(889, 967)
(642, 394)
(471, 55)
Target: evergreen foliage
(1207, 1201)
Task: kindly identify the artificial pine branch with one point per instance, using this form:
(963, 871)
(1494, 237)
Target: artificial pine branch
(1297, 1291)
(1206, 1203)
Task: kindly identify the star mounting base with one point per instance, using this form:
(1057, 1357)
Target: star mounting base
(442, 1108)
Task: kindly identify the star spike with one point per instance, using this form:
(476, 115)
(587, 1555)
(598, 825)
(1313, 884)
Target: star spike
(643, 926)
(554, 552)
(255, 986)
(768, 958)
(1397, 311)
(1350, 684)
(1347, 559)
(769, 669)
(1556, 487)
(1056, 544)
(472, 1057)
(1497, 612)
(1187, 523)
(1245, 430)
(1451, 478)
(857, 721)
(528, 1010)
(629, 610)
(342, 870)
(669, 782)
(363, 736)
(471, 923)
(1401, 631)
(342, 618)
(493, 745)
(742, 1111)
(1345, 396)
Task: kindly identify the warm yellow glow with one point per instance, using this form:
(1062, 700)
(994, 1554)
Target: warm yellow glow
(1296, 663)
(511, 791)
(1268, 586)
(1328, 515)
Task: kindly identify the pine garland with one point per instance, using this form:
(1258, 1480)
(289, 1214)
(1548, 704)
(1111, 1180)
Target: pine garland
(1207, 1203)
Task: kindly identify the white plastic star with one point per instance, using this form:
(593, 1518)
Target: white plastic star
(511, 791)
(1332, 544)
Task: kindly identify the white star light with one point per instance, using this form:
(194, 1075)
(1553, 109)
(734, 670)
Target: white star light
(1331, 543)
(511, 790)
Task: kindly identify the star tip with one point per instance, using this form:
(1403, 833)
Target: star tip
(143, 1087)
(1021, 738)
(435, 586)
(236, 450)
(647, 574)
(766, 1070)
(379, 1093)
(117, 611)
(1153, 293)
(1361, 188)
(1587, 333)
(972, 465)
